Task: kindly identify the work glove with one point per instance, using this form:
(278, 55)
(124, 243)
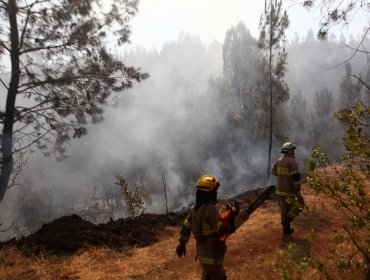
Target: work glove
(181, 249)
(234, 207)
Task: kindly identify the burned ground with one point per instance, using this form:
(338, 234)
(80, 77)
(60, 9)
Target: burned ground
(71, 248)
(68, 234)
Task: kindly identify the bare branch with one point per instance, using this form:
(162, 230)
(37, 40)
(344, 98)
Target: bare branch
(4, 46)
(32, 4)
(33, 142)
(356, 50)
(361, 81)
(25, 26)
(46, 48)
(3, 83)
(32, 109)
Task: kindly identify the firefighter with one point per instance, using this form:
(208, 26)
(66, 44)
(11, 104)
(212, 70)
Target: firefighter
(288, 189)
(208, 228)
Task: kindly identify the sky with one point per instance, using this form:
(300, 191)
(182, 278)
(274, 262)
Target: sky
(160, 21)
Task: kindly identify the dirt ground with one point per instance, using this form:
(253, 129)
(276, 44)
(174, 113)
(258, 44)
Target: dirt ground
(70, 248)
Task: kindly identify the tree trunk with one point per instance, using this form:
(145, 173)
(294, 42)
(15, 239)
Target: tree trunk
(7, 136)
(271, 119)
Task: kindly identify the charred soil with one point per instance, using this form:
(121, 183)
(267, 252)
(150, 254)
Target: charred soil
(144, 248)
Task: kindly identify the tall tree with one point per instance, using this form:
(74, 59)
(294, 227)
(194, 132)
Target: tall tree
(273, 24)
(298, 114)
(323, 127)
(239, 56)
(350, 89)
(62, 73)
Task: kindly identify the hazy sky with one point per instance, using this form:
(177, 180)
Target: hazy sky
(160, 21)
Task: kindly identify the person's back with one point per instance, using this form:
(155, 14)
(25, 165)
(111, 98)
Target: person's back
(286, 170)
(288, 187)
(205, 225)
(203, 220)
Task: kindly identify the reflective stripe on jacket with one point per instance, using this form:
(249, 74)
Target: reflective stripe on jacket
(288, 176)
(206, 225)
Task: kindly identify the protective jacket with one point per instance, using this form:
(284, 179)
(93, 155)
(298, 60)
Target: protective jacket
(288, 176)
(206, 225)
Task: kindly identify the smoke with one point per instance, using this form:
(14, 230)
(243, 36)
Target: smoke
(173, 124)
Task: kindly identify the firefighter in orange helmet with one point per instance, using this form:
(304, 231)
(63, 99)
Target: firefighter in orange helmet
(208, 229)
(288, 187)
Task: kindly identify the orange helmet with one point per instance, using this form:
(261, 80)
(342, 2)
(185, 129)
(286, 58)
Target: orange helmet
(207, 183)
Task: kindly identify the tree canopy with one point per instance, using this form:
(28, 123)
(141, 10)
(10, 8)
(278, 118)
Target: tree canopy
(62, 71)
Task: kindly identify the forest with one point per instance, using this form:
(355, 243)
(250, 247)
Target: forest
(101, 144)
(201, 109)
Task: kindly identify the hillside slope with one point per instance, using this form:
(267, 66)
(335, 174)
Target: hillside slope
(249, 252)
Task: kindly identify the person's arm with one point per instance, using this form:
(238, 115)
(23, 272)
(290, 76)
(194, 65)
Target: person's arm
(296, 176)
(274, 170)
(184, 237)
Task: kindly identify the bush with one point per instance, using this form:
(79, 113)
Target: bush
(348, 187)
(133, 199)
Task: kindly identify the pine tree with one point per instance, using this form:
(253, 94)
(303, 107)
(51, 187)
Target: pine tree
(273, 24)
(350, 89)
(239, 55)
(62, 73)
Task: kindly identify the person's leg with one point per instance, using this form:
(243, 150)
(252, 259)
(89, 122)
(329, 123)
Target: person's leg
(286, 218)
(297, 206)
(213, 272)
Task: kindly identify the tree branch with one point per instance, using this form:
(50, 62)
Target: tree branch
(356, 50)
(25, 26)
(3, 83)
(361, 81)
(32, 4)
(4, 46)
(358, 246)
(33, 142)
(45, 48)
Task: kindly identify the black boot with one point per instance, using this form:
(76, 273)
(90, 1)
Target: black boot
(286, 226)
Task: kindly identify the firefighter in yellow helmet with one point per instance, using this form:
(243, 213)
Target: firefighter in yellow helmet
(288, 188)
(208, 229)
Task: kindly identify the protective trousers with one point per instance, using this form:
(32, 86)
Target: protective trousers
(213, 272)
(290, 206)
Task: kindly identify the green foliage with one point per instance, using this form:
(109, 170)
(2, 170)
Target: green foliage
(347, 185)
(133, 199)
(293, 264)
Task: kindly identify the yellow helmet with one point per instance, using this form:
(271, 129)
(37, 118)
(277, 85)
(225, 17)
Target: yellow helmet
(207, 183)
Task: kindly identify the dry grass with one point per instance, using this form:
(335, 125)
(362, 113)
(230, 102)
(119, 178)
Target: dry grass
(250, 250)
